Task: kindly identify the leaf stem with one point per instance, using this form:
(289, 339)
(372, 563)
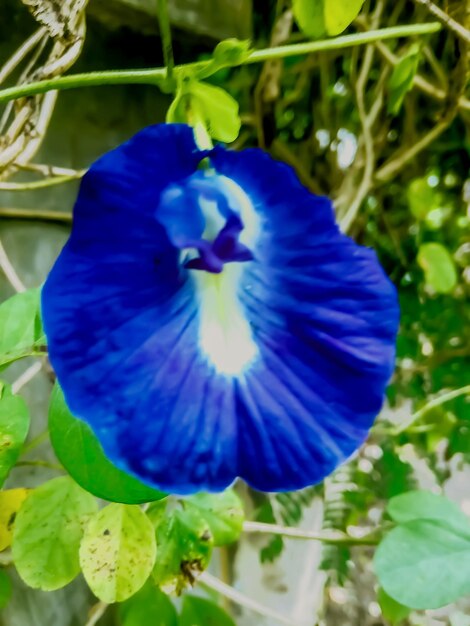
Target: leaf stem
(36, 215)
(157, 76)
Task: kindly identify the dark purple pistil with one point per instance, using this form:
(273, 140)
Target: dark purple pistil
(226, 248)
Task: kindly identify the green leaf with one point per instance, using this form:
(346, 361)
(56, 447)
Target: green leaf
(148, 606)
(117, 552)
(424, 564)
(47, 533)
(5, 589)
(393, 611)
(401, 80)
(185, 545)
(427, 505)
(309, 15)
(20, 326)
(223, 513)
(438, 266)
(421, 198)
(339, 14)
(200, 612)
(14, 426)
(217, 109)
(80, 453)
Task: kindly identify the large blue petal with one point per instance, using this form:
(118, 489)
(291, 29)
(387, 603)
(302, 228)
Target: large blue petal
(123, 321)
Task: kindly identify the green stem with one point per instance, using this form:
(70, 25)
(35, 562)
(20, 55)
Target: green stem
(165, 31)
(36, 215)
(157, 76)
(445, 397)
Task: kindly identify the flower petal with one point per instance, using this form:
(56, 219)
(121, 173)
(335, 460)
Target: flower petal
(272, 370)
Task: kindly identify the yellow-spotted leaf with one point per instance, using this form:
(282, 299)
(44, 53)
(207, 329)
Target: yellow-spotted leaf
(10, 503)
(14, 426)
(47, 533)
(339, 14)
(118, 552)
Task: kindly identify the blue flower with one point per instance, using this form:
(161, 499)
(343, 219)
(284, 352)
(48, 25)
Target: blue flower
(208, 319)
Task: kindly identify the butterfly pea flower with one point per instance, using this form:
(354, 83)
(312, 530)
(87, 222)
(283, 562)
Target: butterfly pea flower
(209, 321)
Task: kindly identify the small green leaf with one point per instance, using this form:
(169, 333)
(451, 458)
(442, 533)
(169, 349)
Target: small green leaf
(393, 611)
(223, 512)
(402, 78)
(231, 52)
(185, 545)
(5, 589)
(200, 612)
(339, 14)
(427, 505)
(218, 110)
(47, 533)
(149, 606)
(424, 564)
(421, 198)
(310, 17)
(14, 426)
(80, 453)
(117, 552)
(20, 326)
(438, 266)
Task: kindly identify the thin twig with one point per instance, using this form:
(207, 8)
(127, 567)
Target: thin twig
(9, 271)
(448, 21)
(297, 533)
(445, 397)
(26, 376)
(239, 598)
(21, 53)
(96, 613)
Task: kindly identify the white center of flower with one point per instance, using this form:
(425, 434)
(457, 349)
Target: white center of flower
(225, 335)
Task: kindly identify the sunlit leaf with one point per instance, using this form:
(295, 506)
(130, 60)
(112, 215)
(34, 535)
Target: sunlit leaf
(117, 552)
(309, 15)
(20, 326)
(198, 611)
(80, 453)
(5, 589)
(424, 564)
(149, 606)
(14, 426)
(185, 545)
(438, 266)
(339, 14)
(223, 512)
(421, 198)
(10, 503)
(402, 78)
(47, 533)
(218, 110)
